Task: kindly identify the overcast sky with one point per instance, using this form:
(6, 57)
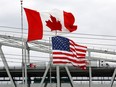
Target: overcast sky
(92, 16)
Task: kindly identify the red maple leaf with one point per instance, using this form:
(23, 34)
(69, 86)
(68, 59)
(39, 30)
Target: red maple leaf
(54, 24)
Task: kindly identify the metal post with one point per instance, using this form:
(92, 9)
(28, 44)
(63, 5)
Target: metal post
(6, 67)
(23, 64)
(43, 78)
(90, 71)
(46, 84)
(29, 81)
(25, 59)
(58, 75)
(50, 74)
(28, 62)
(28, 54)
(113, 77)
(50, 63)
(69, 75)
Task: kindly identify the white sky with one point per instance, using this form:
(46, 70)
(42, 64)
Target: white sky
(92, 16)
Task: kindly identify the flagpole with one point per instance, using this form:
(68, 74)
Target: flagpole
(50, 64)
(22, 41)
(24, 69)
(55, 32)
(58, 70)
(51, 59)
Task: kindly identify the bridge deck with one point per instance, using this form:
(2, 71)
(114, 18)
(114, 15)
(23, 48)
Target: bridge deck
(75, 72)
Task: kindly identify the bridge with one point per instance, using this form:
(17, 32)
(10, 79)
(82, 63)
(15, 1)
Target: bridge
(75, 72)
(99, 69)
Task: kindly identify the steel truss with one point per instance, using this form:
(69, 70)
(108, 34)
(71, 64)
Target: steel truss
(44, 47)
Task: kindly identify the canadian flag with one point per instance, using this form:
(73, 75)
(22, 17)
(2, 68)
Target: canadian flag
(61, 21)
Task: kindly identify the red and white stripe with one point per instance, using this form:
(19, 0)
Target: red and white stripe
(76, 56)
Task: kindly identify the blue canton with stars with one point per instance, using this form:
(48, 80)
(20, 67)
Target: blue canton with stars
(60, 43)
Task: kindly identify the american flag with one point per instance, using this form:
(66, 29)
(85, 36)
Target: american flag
(67, 51)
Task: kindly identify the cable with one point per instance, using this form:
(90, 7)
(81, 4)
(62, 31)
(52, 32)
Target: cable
(11, 61)
(91, 43)
(93, 38)
(11, 31)
(73, 36)
(10, 58)
(16, 57)
(97, 44)
(12, 27)
(21, 55)
(20, 60)
(64, 32)
(76, 37)
(19, 32)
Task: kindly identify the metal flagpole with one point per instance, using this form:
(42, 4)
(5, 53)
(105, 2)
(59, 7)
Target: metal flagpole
(51, 61)
(24, 69)
(58, 70)
(58, 75)
(90, 71)
(22, 41)
(25, 61)
(50, 64)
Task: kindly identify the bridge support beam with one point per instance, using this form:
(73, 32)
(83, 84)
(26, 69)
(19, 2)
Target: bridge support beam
(44, 76)
(112, 79)
(69, 75)
(6, 66)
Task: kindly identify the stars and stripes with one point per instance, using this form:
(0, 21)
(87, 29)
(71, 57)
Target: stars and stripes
(67, 51)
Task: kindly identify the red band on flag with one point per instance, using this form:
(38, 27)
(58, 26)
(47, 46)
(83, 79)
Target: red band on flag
(69, 21)
(35, 28)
